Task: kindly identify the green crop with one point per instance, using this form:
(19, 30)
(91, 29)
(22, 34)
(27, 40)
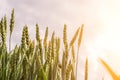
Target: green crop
(39, 59)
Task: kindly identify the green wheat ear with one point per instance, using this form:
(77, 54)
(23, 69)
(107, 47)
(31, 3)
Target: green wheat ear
(27, 35)
(3, 33)
(53, 45)
(11, 27)
(37, 33)
(110, 71)
(45, 38)
(23, 39)
(12, 22)
(5, 23)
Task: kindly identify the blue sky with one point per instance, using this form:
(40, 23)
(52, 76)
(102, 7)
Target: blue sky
(101, 19)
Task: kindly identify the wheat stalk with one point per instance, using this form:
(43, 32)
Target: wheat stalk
(86, 69)
(68, 70)
(111, 72)
(79, 42)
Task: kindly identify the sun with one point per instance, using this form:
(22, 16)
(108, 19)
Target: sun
(107, 43)
(106, 46)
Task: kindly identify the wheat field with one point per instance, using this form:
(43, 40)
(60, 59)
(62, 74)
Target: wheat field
(38, 59)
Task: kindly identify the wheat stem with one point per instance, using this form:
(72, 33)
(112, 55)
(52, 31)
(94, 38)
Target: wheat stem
(86, 69)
